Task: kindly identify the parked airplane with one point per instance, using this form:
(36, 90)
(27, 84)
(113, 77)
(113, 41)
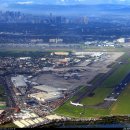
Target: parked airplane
(76, 104)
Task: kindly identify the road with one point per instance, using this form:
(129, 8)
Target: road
(9, 93)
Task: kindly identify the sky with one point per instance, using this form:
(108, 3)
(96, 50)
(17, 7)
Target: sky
(5, 4)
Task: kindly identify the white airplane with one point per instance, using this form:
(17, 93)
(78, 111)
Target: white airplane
(76, 104)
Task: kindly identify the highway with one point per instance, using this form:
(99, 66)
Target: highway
(9, 93)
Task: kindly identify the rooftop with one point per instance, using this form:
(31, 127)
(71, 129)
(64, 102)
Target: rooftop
(1, 111)
(46, 88)
(42, 96)
(54, 117)
(19, 81)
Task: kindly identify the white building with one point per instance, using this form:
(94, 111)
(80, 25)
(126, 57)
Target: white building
(24, 58)
(121, 40)
(47, 93)
(93, 54)
(19, 81)
(44, 97)
(46, 88)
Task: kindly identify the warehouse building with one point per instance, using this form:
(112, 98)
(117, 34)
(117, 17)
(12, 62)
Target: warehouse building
(29, 122)
(93, 54)
(1, 111)
(24, 58)
(61, 53)
(45, 97)
(47, 93)
(46, 88)
(19, 83)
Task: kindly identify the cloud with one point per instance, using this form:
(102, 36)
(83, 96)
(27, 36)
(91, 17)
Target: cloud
(11, 4)
(25, 2)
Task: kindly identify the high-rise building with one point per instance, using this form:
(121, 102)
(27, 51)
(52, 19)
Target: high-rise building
(58, 19)
(85, 20)
(51, 18)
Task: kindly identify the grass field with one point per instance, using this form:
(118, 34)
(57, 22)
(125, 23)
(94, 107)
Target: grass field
(76, 112)
(122, 106)
(35, 49)
(9, 125)
(103, 91)
(2, 97)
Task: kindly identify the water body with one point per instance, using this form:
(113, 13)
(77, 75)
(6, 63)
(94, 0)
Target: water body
(97, 126)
